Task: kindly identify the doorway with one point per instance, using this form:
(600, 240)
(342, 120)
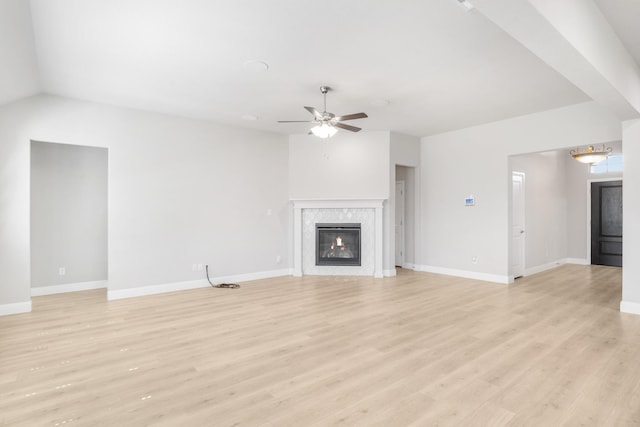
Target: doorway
(68, 218)
(399, 223)
(606, 223)
(404, 220)
(517, 224)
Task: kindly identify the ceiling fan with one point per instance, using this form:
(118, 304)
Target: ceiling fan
(327, 123)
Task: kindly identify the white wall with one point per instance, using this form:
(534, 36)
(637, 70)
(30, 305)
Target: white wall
(475, 161)
(15, 282)
(68, 213)
(631, 213)
(180, 192)
(577, 175)
(545, 207)
(18, 73)
(345, 166)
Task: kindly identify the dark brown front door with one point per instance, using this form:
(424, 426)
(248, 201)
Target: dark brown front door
(606, 223)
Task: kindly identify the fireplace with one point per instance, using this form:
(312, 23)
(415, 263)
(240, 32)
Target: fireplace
(309, 212)
(338, 244)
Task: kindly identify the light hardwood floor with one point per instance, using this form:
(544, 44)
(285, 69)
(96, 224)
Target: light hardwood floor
(419, 349)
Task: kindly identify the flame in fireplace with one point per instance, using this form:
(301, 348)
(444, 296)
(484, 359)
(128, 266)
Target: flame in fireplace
(338, 244)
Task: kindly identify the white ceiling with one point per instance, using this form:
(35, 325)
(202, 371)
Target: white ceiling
(624, 18)
(439, 66)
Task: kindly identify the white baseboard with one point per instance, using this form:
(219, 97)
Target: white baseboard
(578, 261)
(389, 273)
(495, 278)
(630, 307)
(544, 267)
(68, 287)
(182, 286)
(155, 289)
(409, 266)
(253, 276)
(15, 308)
(554, 264)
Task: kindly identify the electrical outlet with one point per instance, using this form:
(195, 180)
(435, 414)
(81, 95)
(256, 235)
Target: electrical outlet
(474, 260)
(278, 259)
(200, 267)
(194, 267)
(62, 271)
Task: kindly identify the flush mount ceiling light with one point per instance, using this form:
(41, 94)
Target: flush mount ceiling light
(327, 124)
(591, 155)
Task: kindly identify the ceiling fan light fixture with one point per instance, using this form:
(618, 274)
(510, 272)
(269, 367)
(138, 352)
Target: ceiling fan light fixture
(591, 155)
(324, 131)
(327, 123)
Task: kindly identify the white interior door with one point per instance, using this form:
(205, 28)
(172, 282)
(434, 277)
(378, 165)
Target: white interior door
(399, 226)
(517, 227)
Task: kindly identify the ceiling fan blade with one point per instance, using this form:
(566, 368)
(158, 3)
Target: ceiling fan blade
(296, 121)
(352, 117)
(315, 112)
(347, 127)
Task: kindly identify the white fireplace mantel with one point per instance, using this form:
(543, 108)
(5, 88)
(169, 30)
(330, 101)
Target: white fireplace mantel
(299, 205)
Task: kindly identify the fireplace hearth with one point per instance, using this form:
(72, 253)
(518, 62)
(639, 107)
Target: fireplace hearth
(338, 244)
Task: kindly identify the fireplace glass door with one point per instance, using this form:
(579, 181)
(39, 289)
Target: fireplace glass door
(338, 244)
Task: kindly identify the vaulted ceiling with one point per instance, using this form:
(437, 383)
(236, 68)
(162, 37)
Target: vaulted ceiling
(439, 66)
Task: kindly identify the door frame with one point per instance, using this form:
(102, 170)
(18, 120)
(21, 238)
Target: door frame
(589, 182)
(404, 216)
(512, 275)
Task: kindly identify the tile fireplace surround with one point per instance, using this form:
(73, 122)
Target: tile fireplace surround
(367, 212)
